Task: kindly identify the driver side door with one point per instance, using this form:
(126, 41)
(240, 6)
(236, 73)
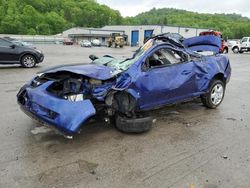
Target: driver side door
(168, 80)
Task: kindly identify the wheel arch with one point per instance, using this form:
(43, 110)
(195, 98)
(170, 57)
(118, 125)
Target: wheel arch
(28, 53)
(219, 76)
(122, 101)
(226, 47)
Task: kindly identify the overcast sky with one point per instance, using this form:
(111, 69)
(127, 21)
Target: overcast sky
(134, 7)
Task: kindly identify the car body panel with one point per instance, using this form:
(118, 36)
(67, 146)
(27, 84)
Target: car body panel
(91, 70)
(64, 115)
(203, 43)
(224, 46)
(151, 88)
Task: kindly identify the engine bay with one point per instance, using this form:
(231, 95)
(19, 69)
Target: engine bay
(69, 86)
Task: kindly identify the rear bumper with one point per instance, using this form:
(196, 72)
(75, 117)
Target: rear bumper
(67, 116)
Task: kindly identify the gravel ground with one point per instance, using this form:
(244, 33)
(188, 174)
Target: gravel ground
(188, 145)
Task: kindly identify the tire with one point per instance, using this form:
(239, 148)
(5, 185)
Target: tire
(225, 51)
(215, 95)
(133, 125)
(28, 61)
(241, 52)
(235, 50)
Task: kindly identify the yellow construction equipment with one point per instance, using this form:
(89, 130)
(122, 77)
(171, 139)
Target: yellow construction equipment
(116, 40)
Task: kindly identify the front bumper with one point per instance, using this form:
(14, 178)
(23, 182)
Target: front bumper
(67, 116)
(40, 58)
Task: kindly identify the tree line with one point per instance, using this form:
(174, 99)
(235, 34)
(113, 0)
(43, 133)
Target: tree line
(49, 17)
(231, 25)
(53, 16)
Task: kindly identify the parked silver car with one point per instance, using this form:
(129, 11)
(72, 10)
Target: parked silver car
(85, 43)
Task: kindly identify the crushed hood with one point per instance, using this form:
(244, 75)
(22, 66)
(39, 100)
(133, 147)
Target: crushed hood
(100, 72)
(203, 43)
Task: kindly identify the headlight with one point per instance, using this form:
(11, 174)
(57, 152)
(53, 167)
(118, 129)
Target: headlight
(39, 51)
(95, 82)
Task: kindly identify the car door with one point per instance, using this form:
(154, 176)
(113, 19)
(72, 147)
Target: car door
(244, 42)
(165, 79)
(8, 52)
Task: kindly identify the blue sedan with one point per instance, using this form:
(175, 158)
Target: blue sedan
(163, 71)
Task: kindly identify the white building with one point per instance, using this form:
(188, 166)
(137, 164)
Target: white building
(134, 34)
(78, 34)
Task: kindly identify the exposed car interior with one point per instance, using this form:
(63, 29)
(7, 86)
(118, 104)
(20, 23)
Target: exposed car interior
(163, 57)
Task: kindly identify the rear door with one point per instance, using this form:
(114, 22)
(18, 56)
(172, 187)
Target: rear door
(8, 53)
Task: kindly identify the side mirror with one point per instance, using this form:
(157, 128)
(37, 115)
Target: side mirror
(93, 57)
(13, 46)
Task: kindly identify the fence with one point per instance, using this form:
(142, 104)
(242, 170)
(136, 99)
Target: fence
(37, 39)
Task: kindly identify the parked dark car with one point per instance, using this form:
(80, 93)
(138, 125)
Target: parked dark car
(12, 53)
(162, 72)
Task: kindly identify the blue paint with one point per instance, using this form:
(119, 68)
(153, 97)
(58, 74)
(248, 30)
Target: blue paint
(151, 88)
(66, 115)
(203, 43)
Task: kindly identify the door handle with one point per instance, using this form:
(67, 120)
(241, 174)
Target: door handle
(185, 72)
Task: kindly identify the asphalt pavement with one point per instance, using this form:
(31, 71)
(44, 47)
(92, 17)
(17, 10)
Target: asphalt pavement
(189, 145)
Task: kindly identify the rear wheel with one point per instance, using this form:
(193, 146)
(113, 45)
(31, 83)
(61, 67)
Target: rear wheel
(215, 95)
(28, 61)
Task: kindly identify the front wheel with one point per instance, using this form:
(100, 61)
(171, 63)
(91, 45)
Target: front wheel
(235, 50)
(215, 95)
(133, 125)
(28, 61)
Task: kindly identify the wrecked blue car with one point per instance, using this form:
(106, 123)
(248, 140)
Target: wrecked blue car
(162, 72)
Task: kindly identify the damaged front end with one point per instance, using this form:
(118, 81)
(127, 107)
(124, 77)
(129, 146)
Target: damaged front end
(63, 99)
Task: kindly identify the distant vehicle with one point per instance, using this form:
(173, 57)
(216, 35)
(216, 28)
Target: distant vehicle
(58, 42)
(242, 46)
(67, 42)
(85, 43)
(96, 42)
(115, 40)
(224, 47)
(232, 43)
(12, 53)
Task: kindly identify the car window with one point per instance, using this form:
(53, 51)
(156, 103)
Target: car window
(244, 40)
(163, 57)
(4, 43)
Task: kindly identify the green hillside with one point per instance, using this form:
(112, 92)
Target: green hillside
(55, 16)
(232, 25)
